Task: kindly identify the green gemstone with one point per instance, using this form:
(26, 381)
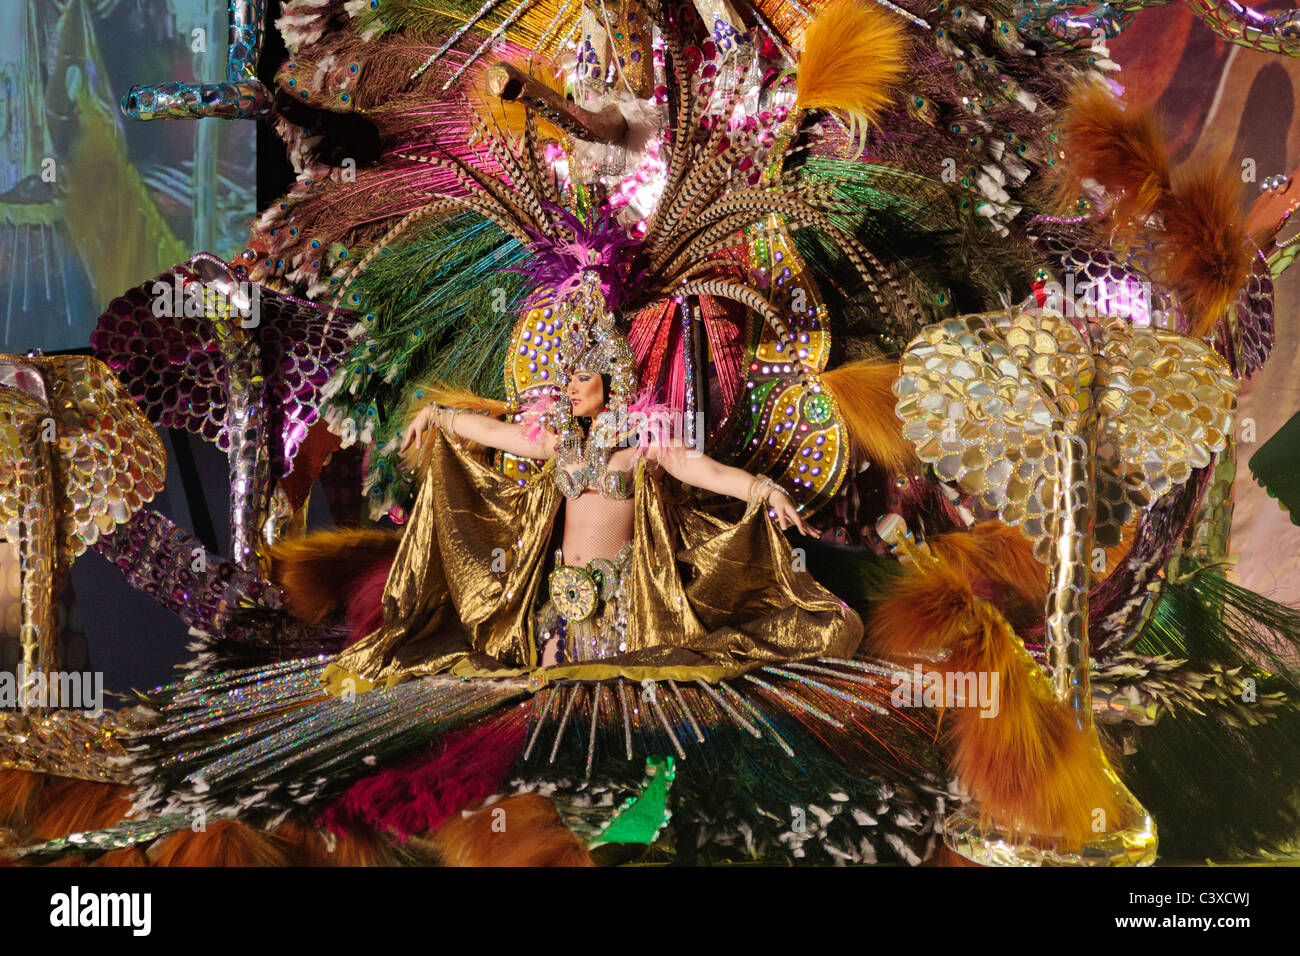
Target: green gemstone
(817, 408)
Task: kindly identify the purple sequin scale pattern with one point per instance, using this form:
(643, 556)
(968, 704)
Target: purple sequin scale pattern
(171, 359)
(172, 566)
(1254, 331)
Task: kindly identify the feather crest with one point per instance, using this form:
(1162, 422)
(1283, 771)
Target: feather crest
(1120, 150)
(854, 55)
(1206, 253)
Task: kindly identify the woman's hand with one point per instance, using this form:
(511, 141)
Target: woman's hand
(419, 427)
(787, 514)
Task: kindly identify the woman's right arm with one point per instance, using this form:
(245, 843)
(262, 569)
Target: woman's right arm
(506, 436)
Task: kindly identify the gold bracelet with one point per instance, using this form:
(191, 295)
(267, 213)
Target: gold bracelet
(774, 488)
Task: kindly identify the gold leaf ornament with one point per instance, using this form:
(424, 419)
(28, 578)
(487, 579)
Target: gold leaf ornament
(984, 397)
(77, 458)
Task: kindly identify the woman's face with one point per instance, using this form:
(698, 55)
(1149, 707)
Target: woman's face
(585, 393)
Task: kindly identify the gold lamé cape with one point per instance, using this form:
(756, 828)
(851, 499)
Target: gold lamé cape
(709, 599)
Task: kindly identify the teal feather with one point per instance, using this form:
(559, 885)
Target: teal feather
(443, 309)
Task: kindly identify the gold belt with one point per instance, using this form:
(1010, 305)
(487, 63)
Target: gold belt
(577, 592)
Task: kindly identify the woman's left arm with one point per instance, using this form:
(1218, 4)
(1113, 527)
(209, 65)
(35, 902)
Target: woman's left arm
(701, 471)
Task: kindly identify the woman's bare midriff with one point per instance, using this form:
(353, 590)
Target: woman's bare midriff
(595, 526)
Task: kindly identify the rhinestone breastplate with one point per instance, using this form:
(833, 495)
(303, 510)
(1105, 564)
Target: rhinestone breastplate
(610, 484)
(593, 473)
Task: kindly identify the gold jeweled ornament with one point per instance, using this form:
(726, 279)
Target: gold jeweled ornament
(77, 458)
(574, 592)
(534, 363)
(786, 423)
(70, 743)
(1066, 432)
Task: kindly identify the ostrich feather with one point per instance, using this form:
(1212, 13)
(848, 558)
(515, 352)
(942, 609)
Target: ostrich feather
(1121, 150)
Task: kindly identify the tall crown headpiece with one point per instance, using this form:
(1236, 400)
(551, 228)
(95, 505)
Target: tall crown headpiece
(593, 343)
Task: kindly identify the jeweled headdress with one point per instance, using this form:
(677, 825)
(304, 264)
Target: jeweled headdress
(592, 341)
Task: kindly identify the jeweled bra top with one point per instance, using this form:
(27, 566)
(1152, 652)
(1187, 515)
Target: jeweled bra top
(594, 474)
(609, 484)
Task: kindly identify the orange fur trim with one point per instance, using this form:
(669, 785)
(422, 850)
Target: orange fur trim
(864, 392)
(20, 791)
(1205, 253)
(1122, 151)
(316, 572)
(854, 56)
(306, 845)
(362, 848)
(224, 843)
(1029, 767)
(72, 806)
(438, 393)
(921, 613)
(1001, 554)
(523, 830)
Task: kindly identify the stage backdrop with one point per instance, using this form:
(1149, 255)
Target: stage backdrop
(1223, 103)
(92, 204)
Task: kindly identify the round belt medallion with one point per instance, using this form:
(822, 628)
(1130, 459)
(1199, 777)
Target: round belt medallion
(574, 593)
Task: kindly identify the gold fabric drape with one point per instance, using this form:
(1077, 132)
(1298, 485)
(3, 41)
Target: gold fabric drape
(709, 599)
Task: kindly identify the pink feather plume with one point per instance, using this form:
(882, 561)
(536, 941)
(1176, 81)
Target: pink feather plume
(537, 408)
(465, 768)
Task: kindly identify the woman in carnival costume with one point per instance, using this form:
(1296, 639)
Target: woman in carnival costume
(616, 592)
